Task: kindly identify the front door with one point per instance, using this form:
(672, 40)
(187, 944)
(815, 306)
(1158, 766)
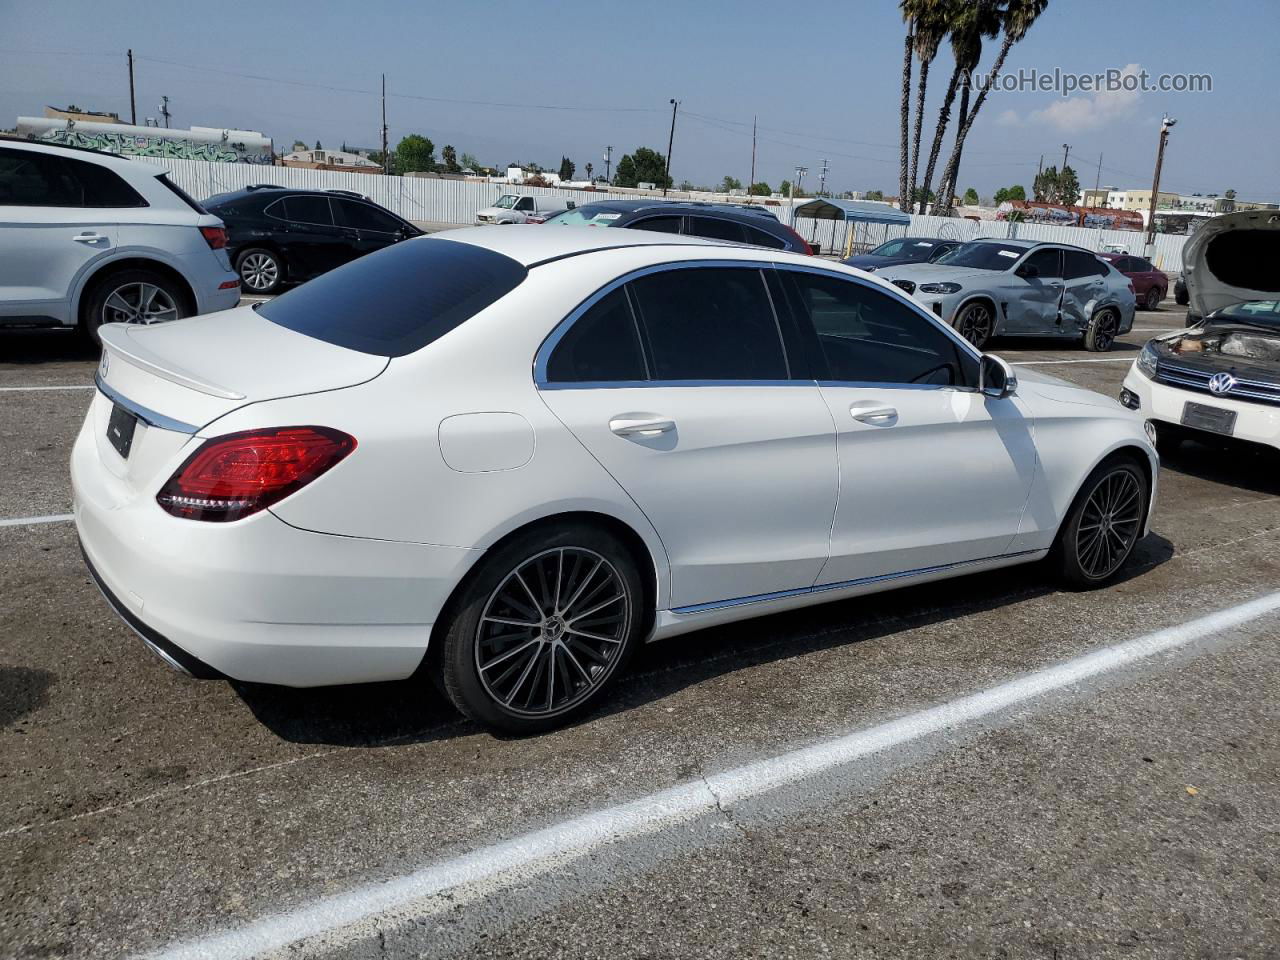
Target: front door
(312, 243)
(678, 383)
(1034, 301)
(932, 472)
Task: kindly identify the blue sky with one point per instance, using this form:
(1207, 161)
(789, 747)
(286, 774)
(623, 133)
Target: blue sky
(823, 79)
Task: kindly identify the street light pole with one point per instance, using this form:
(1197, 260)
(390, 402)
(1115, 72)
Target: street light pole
(1066, 152)
(1165, 123)
(608, 162)
(666, 177)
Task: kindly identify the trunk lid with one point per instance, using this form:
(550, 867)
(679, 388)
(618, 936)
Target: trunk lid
(177, 378)
(1232, 259)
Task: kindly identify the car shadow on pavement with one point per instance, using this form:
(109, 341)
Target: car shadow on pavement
(45, 346)
(1044, 344)
(414, 711)
(1232, 463)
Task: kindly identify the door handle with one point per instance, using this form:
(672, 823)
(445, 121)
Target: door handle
(88, 237)
(873, 412)
(641, 426)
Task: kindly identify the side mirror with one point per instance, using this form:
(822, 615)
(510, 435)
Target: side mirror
(997, 378)
(1028, 271)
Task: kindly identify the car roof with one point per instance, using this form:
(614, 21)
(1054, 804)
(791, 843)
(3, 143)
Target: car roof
(111, 160)
(1032, 244)
(536, 244)
(683, 206)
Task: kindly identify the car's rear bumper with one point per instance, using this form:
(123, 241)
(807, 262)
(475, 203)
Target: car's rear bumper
(1255, 422)
(257, 599)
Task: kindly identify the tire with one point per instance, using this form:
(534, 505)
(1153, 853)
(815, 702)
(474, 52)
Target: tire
(511, 619)
(1103, 525)
(1181, 299)
(261, 270)
(1154, 296)
(1100, 334)
(132, 296)
(976, 322)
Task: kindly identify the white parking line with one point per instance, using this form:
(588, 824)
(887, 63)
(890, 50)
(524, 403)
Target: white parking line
(345, 918)
(1042, 363)
(28, 521)
(78, 386)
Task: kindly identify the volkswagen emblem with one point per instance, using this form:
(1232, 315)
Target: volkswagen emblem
(1221, 383)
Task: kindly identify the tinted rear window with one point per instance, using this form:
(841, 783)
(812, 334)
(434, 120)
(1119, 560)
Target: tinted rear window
(400, 299)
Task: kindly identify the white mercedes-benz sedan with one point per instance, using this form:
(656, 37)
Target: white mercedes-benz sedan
(503, 459)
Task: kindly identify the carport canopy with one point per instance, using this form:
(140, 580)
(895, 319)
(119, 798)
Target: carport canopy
(853, 211)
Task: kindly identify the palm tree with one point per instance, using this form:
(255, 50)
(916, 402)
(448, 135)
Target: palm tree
(967, 23)
(930, 28)
(904, 110)
(1017, 18)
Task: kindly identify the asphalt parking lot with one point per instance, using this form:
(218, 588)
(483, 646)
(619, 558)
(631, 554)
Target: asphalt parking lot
(1132, 811)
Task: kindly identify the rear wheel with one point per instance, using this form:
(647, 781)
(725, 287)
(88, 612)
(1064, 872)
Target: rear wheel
(976, 323)
(1154, 296)
(542, 629)
(261, 270)
(1102, 330)
(133, 296)
(1103, 525)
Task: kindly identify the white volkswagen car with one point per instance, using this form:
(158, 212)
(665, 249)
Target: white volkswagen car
(88, 238)
(505, 458)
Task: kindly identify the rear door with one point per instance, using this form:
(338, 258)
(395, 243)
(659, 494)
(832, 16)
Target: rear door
(368, 227)
(58, 216)
(1033, 302)
(932, 472)
(1084, 284)
(679, 384)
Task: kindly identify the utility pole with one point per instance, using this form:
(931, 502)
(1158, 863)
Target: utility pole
(164, 110)
(822, 181)
(608, 163)
(791, 196)
(1097, 181)
(133, 107)
(1165, 123)
(670, 141)
(752, 181)
(386, 164)
(1066, 152)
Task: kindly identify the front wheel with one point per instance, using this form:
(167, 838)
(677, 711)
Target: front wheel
(1103, 525)
(1102, 330)
(542, 629)
(976, 323)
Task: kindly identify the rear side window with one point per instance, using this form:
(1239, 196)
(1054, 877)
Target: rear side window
(761, 239)
(1077, 264)
(362, 216)
(308, 209)
(1139, 265)
(30, 179)
(181, 194)
(400, 299)
(716, 229)
(712, 323)
(603, 345)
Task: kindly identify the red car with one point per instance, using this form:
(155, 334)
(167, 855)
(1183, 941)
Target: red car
(1149, 284)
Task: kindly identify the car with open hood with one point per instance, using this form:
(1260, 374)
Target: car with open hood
(1219, 377)
(994, 287)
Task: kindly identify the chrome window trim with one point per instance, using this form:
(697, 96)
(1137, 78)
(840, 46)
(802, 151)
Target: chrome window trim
(696, 608)
(902, 296)
(552, 340)
(148, 416)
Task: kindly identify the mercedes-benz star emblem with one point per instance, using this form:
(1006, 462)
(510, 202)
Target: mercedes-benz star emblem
(1222, 383)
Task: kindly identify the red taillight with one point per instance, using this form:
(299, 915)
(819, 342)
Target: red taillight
(216, 237)
(804, 244)
(233, 476)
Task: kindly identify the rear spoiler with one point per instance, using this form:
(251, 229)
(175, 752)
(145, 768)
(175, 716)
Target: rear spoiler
(118, 340)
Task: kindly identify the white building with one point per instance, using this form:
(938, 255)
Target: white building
(328, 158)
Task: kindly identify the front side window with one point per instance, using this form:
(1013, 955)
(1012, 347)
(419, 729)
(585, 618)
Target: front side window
(868, 336)
(307, 208)
(709, 323)
(602, 346)
(525, 203)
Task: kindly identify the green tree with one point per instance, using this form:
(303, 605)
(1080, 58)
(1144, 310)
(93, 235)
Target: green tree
(468, 162)
(729, 183)
(971, 197)
(415, 154)
(566, 168)
(873, 195)
(1045, 187)
(450, 158)
(298, 145)
(761, 189)
(1068, 187)
(318, 147)
(784, 188)
(927, 25)
(1016, 192)
(643, 166)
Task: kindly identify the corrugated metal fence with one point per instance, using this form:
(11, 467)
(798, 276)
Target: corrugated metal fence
(456, 201)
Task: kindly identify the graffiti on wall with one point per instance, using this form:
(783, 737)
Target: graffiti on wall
(145, 146)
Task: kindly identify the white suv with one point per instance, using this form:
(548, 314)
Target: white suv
(88, 238)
